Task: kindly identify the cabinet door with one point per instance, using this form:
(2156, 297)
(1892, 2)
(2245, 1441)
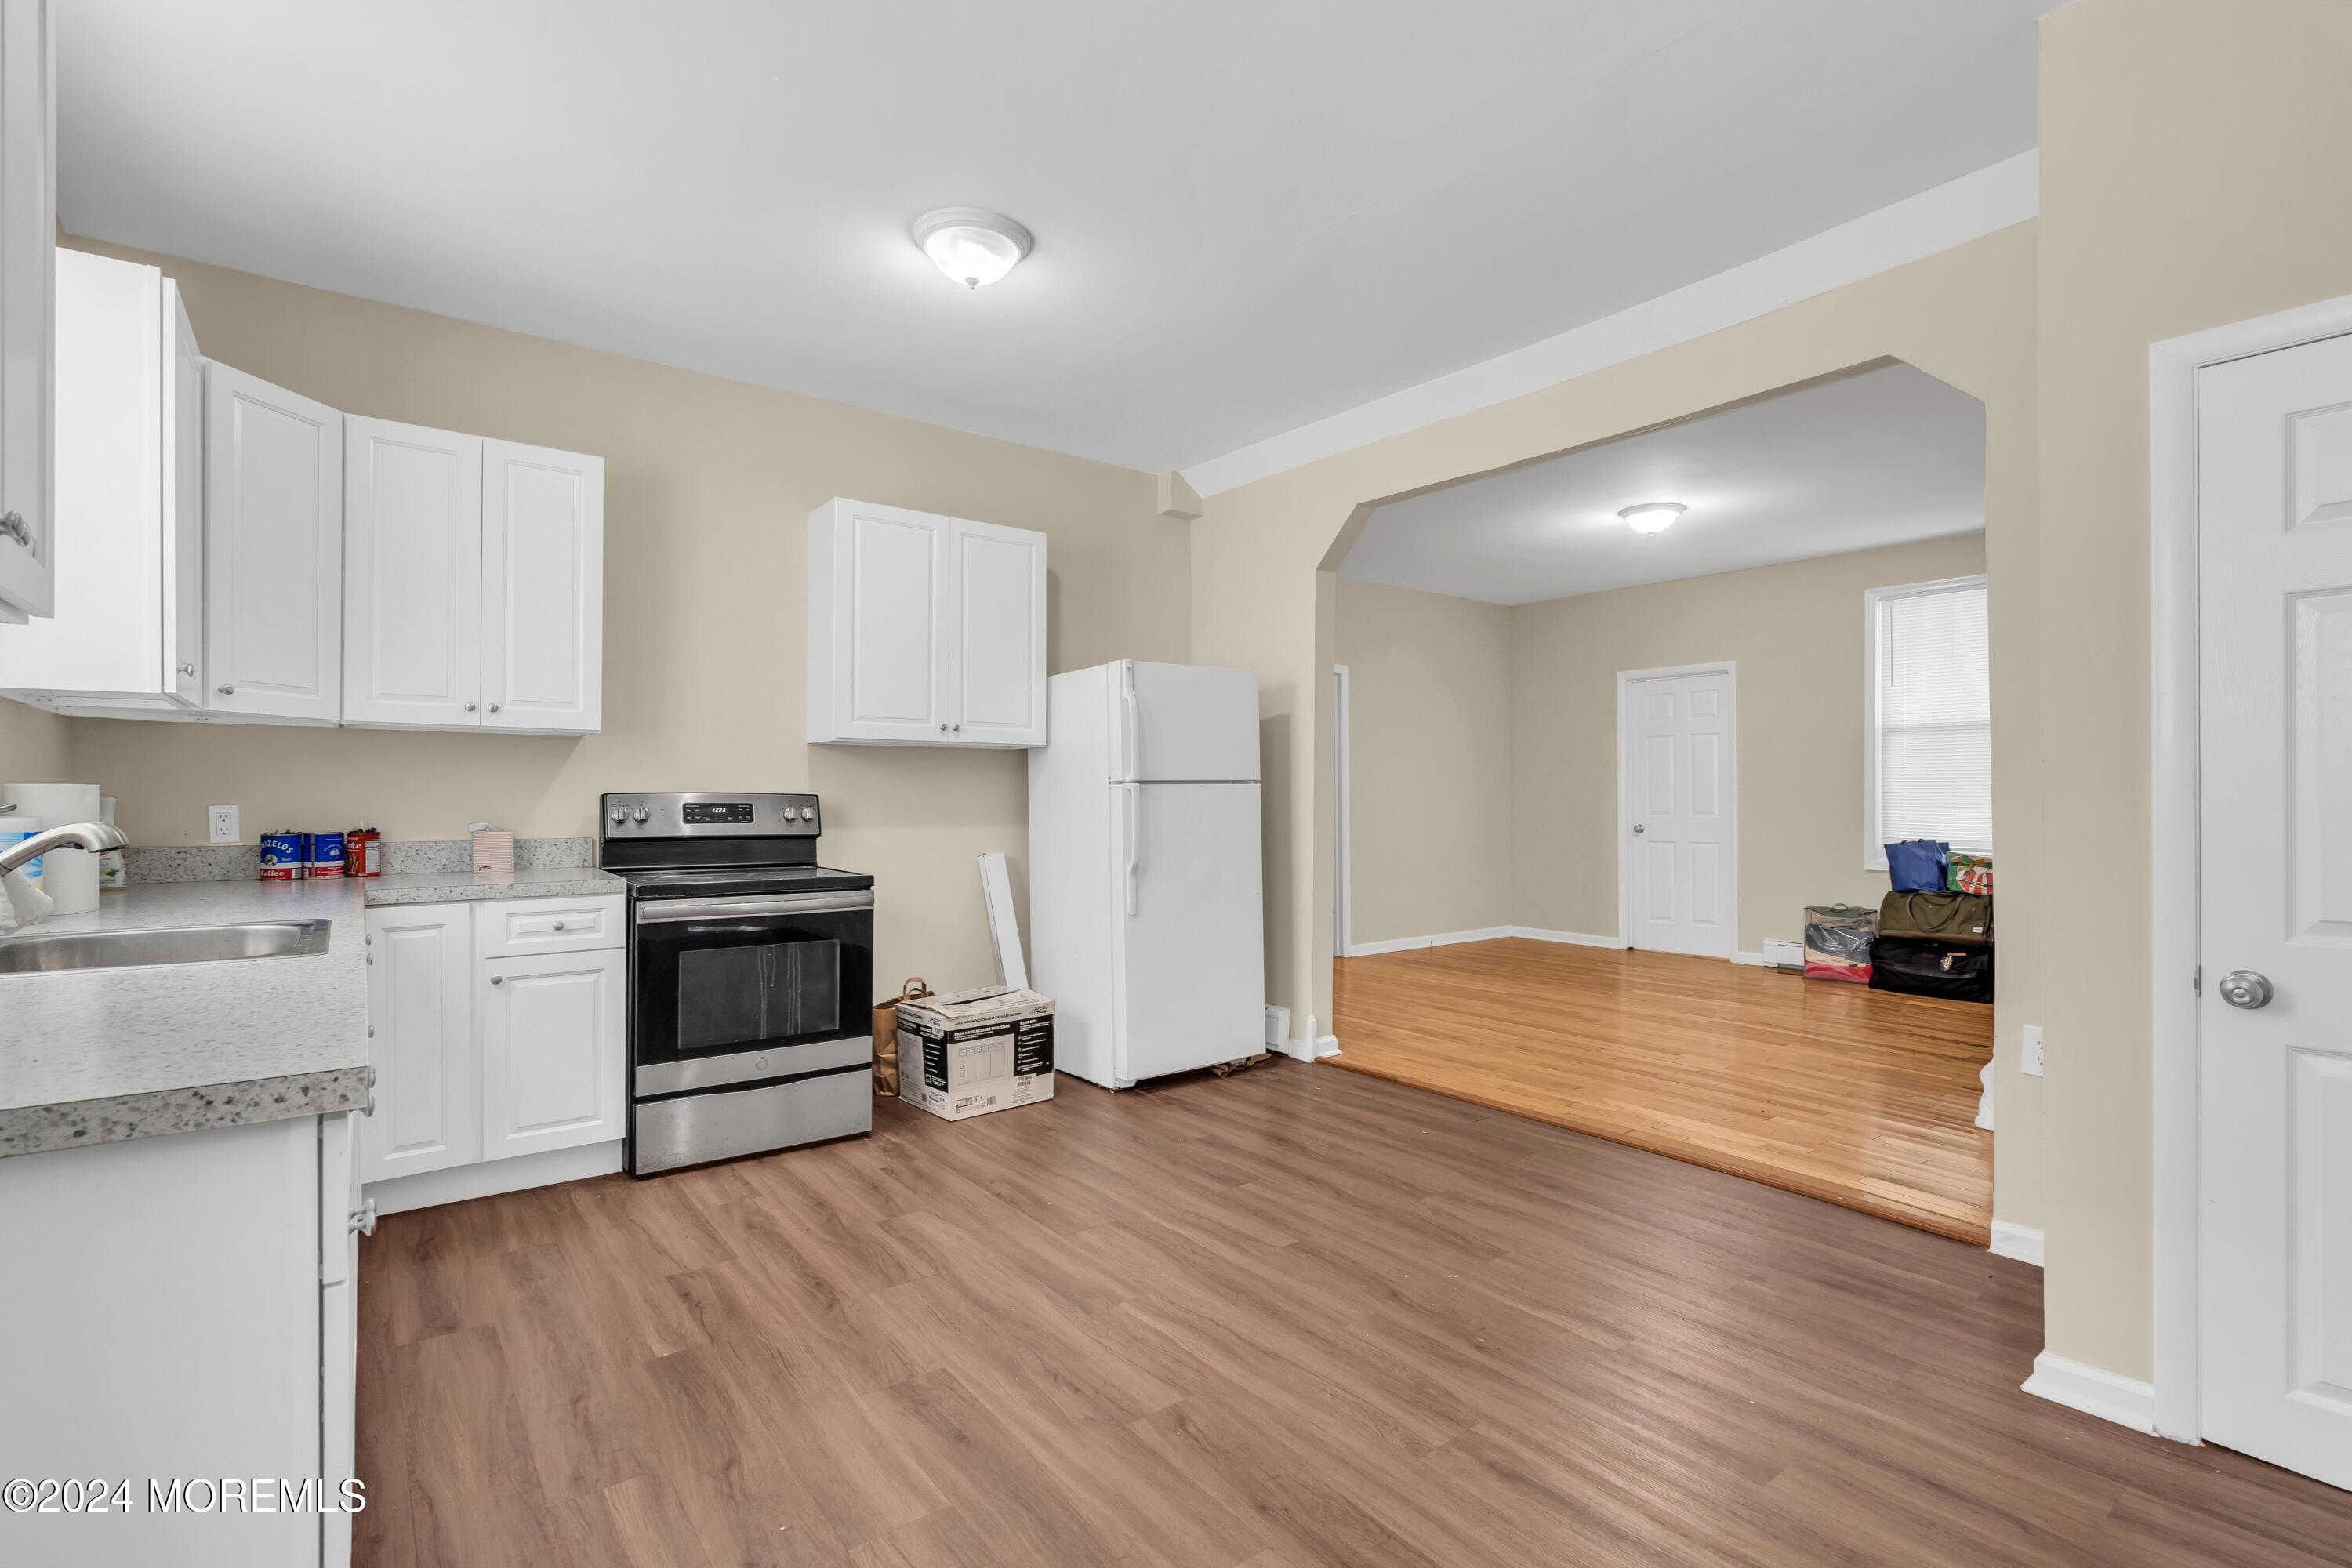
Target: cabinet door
(542, 589)
(421, 1042)
(28, 301)
(996, 632)
(183, 504)
(413, 587)
(552, 1051)
(274, 550)
(884, 655)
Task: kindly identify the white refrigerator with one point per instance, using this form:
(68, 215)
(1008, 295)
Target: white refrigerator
(1146, 917)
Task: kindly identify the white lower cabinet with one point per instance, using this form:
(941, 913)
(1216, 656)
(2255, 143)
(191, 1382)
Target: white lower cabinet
(498, 1031)
(551, 1031)
(179, 1310)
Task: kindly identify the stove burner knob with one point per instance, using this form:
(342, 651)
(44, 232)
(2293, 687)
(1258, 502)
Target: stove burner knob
(620, 815)
(639, 814)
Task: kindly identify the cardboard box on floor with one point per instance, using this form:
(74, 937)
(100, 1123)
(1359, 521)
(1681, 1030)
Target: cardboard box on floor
(971, 1052)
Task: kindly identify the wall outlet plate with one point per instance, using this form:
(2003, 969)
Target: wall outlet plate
(2028, 1050)
(221, 821)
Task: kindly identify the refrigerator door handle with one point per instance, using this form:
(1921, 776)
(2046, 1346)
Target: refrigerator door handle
(1132, 821)
(1128, 717)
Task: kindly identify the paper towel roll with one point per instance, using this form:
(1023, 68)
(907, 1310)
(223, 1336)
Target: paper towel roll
(58, 805)
(69, 876)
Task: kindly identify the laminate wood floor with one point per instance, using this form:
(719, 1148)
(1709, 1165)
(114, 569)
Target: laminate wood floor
(1295, 1318)
(1861, 1097)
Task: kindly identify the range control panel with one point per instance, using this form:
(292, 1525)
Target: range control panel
(704, 815)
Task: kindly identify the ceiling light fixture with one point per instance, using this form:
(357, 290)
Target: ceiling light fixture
(1652, 517)
(972, 245)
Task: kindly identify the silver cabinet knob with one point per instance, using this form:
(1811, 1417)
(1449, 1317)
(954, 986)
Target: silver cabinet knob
(1637, 827)
(469, 708)
(12, 526)
(498, 980)
(2244, 988)
(494, 707)
(187, 667)
(943, 729)
(559, 925)
(226, 690)
(959, 729)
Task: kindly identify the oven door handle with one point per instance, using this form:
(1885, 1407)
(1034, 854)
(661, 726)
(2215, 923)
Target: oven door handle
(664, 910)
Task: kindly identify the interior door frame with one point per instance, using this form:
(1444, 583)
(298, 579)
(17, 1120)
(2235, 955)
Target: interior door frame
(1342, 919)
(1626, 679)
(2174, 585)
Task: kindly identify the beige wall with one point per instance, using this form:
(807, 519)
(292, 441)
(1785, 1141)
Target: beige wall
(1429, 716)
(1262, 594)
(1795, 633)
(707, 488)
(2194, 157)
(33, 745)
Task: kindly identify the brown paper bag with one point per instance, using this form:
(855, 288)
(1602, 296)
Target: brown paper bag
(885, 1035)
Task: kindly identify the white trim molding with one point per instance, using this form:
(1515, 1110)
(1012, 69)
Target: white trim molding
(2173, 768)
(1970, 207)
(488, 1178)
(1753, 959)
(2021, 1242)
(2125, 1401)
(1574, 938)
(1442, 938)
(1343, 865)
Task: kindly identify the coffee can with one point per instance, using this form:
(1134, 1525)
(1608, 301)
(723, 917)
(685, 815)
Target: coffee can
(327, 851)
(281, 857)
(362, 852)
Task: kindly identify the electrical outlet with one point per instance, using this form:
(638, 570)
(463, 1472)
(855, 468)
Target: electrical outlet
(222, 820)
(2028, 1047)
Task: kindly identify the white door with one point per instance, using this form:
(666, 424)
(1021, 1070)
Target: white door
(2274, 1245)
(28, 216)
(1679, 865)
(274, 550)
(427, 1111)
(889, 621)
(1183, 722)
(997, 634)
(542, 589)
(413, 583)
(1189, 965)
(552, 1051)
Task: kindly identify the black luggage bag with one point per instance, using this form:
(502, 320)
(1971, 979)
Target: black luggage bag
(1923, 966)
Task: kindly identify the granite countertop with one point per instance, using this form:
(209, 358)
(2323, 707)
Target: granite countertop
(96, 1056)
(454, 887)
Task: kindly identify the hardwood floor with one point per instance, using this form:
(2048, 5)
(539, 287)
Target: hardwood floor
(1291, 1319)
(1861, 1097)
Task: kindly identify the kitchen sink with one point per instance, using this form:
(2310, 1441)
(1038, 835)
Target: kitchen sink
(175, 944)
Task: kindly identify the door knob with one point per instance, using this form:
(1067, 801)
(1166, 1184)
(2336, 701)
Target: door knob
(2244, 988)
(1637, 827)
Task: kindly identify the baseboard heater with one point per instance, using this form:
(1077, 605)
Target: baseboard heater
(1782, 954)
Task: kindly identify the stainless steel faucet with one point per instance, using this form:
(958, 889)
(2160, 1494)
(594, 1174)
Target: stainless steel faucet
(93, 835)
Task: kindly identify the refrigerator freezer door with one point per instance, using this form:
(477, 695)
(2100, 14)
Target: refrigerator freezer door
(1172, 723)
(1191, 954)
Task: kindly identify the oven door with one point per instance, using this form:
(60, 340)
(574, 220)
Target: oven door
(737, 990)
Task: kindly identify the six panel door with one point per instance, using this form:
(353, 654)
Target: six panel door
(413, 597)
(542, 589)
(273, 551)
(553, 1047)
(1678, 875)
(427, 1111)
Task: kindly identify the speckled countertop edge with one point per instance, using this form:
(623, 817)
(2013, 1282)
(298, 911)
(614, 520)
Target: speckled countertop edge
(39, 1129)
(529, 882)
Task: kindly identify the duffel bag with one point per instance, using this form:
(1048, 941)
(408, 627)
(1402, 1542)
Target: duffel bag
(1940, 917)
(1915, 967)
(1919, 865)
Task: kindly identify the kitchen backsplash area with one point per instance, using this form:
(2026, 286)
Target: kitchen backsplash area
(242, 862)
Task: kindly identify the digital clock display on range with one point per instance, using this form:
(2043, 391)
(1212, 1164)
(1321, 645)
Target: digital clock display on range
(718, 811)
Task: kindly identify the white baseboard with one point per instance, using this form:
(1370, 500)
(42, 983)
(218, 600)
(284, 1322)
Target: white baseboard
(1753, 959)
(1576, 938)
(1325, 1046)
(2017, 1241)
(2122, 1400)
(1442, 938)
(491, 1177)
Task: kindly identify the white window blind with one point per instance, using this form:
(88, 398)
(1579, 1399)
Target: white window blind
(1928, 718)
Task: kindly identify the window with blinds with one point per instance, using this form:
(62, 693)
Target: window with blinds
(1928, 725)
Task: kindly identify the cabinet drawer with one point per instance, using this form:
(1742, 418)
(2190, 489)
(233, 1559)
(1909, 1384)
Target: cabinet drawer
(516, 928)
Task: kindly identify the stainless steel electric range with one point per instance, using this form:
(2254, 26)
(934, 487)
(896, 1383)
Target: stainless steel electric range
(751, 977)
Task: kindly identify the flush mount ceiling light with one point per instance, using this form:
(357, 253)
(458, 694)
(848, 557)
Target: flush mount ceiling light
(972, 245)
(1652, 517)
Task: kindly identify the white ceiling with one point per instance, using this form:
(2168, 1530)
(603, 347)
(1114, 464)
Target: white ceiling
(1883, 457)
(1250, 214)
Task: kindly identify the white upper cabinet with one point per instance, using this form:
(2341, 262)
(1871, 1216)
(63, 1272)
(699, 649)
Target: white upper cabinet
(924, 630)
(273, 551)
(127, 634)
(542, 589)
(30, 535)
(413, 587)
